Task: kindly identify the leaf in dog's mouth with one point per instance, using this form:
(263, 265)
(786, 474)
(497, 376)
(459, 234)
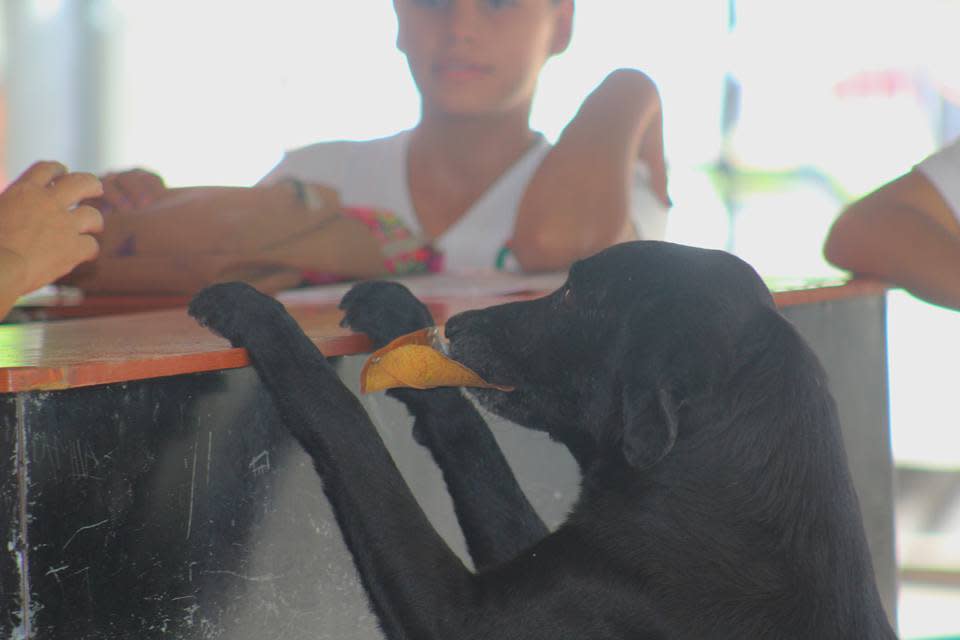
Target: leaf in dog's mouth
(416, 360)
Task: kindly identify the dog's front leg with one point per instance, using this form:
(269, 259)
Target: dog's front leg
(497, 519)
(410, 574)
(495, 515)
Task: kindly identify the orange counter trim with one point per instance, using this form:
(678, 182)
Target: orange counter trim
(135, 346)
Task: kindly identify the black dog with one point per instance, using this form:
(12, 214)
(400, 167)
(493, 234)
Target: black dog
(715, 503)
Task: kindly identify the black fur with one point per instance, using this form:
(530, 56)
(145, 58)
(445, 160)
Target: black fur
(715, 504)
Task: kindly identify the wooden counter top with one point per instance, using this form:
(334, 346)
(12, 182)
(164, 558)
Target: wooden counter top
(134, 346)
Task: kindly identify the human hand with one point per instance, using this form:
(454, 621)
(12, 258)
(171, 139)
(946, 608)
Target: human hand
(44, 233)
(125, 190)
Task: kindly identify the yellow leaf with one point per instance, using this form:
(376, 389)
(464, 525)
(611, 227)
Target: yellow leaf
(412, 361)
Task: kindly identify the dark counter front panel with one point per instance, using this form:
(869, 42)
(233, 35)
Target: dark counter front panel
(176, 508)
(11, 546)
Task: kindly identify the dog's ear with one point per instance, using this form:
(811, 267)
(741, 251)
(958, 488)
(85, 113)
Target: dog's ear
(650, 424)
(685, 364)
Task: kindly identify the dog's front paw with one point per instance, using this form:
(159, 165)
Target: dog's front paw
(383, 311)
(236, 311)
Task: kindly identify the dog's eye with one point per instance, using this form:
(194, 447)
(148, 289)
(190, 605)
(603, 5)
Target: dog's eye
(567, 298)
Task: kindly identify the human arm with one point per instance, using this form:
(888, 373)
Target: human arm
(578, 201)
(43, 233)
(271, 235)
(906, 233)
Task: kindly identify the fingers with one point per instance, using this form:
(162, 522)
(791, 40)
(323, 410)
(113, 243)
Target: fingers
(145, 187)
(124, 190)
(71, 188)
(144, 180)
(113, 197)
(67, 188)
(88, 248)
(81, 249)
(131, 189)
(41, 173)
(88, 219)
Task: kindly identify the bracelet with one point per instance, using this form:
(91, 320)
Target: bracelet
(306, 196)
(300, 190)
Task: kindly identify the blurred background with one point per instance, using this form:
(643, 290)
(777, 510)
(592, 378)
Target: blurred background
(776, 114)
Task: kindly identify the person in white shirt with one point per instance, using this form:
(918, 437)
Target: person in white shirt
(472, 177)
(373, 174)
(907, 232)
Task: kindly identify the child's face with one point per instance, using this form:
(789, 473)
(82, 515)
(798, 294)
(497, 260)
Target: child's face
(479, 57)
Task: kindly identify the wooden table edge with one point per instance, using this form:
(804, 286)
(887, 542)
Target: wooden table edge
(40, 378)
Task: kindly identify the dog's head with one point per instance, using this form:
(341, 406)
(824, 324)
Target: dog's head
(607, 362)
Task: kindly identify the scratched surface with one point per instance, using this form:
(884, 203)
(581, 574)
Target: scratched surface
(178, 508)
(10, 605)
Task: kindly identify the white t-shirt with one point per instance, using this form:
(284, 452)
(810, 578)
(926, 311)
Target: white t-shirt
(373, 173)
(943, 170)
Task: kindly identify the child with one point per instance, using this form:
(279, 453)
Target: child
(471, 178)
